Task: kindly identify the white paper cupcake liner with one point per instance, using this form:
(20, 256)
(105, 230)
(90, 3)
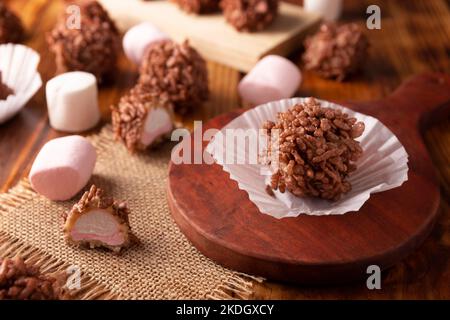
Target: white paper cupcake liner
(18, 65)
(383, 165)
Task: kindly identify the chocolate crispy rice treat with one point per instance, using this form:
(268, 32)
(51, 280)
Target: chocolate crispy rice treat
(20, 281)
(249, 15)
(93, 48)
(130, 114)
(336, 51)
(176, 74)
(98, 221)
(198, 6)
(11, 28)
(317, 150)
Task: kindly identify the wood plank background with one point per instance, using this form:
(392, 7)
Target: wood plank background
(415, 37)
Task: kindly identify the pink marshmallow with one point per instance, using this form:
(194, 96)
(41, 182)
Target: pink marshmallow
(158, 123)
(272, 78)
(63, 167)
(98, 225)
(138, 38)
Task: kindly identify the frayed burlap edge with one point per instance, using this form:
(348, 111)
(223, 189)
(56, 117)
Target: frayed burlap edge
(237, 287)
(11, 247)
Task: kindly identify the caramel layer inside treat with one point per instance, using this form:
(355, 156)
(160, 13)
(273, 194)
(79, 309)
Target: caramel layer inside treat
(98, 221)
(315, 150)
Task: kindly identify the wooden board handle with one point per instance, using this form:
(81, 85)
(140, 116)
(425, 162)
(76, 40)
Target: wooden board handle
(431, 102)
(227, 227)
(419, 102)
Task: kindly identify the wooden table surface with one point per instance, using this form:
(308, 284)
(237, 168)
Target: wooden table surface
(415, 38)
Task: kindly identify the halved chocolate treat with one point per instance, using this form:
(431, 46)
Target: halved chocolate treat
(98, 221)
(139, 120)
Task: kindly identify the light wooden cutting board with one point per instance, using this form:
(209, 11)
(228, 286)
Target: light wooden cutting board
(212, 36)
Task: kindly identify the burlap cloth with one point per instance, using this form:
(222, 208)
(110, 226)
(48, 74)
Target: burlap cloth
(164, 266)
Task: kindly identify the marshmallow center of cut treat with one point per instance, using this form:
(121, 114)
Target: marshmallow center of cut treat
(158, 123)
(98, 225)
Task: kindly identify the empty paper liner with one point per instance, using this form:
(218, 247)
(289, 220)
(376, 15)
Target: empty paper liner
(18, 65)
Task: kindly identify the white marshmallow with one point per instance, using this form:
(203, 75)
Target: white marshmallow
(272, 78)
(72, 101)
(63, 167)
(330, 10)
(138, 38)
(158, 123)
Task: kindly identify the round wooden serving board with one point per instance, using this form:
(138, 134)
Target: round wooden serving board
(221, 221)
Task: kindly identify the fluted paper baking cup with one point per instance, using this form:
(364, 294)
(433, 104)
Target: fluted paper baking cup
(383, 165)
(18, 65)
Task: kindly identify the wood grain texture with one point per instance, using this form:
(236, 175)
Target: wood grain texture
(227, 227)
(415, 37)
(215, 39)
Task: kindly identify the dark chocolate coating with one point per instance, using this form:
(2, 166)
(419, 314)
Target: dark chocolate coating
(11, 28)
(94, 47)
(175, 74)
(249, 15)
(336, 51)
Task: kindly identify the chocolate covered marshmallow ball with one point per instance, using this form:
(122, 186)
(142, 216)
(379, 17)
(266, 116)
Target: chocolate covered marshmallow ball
(315, 148)
(140, 120)
(249, 15)
(92, 48)
(175, 73)
(98, 220)
(336, 51)
(11, 29)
